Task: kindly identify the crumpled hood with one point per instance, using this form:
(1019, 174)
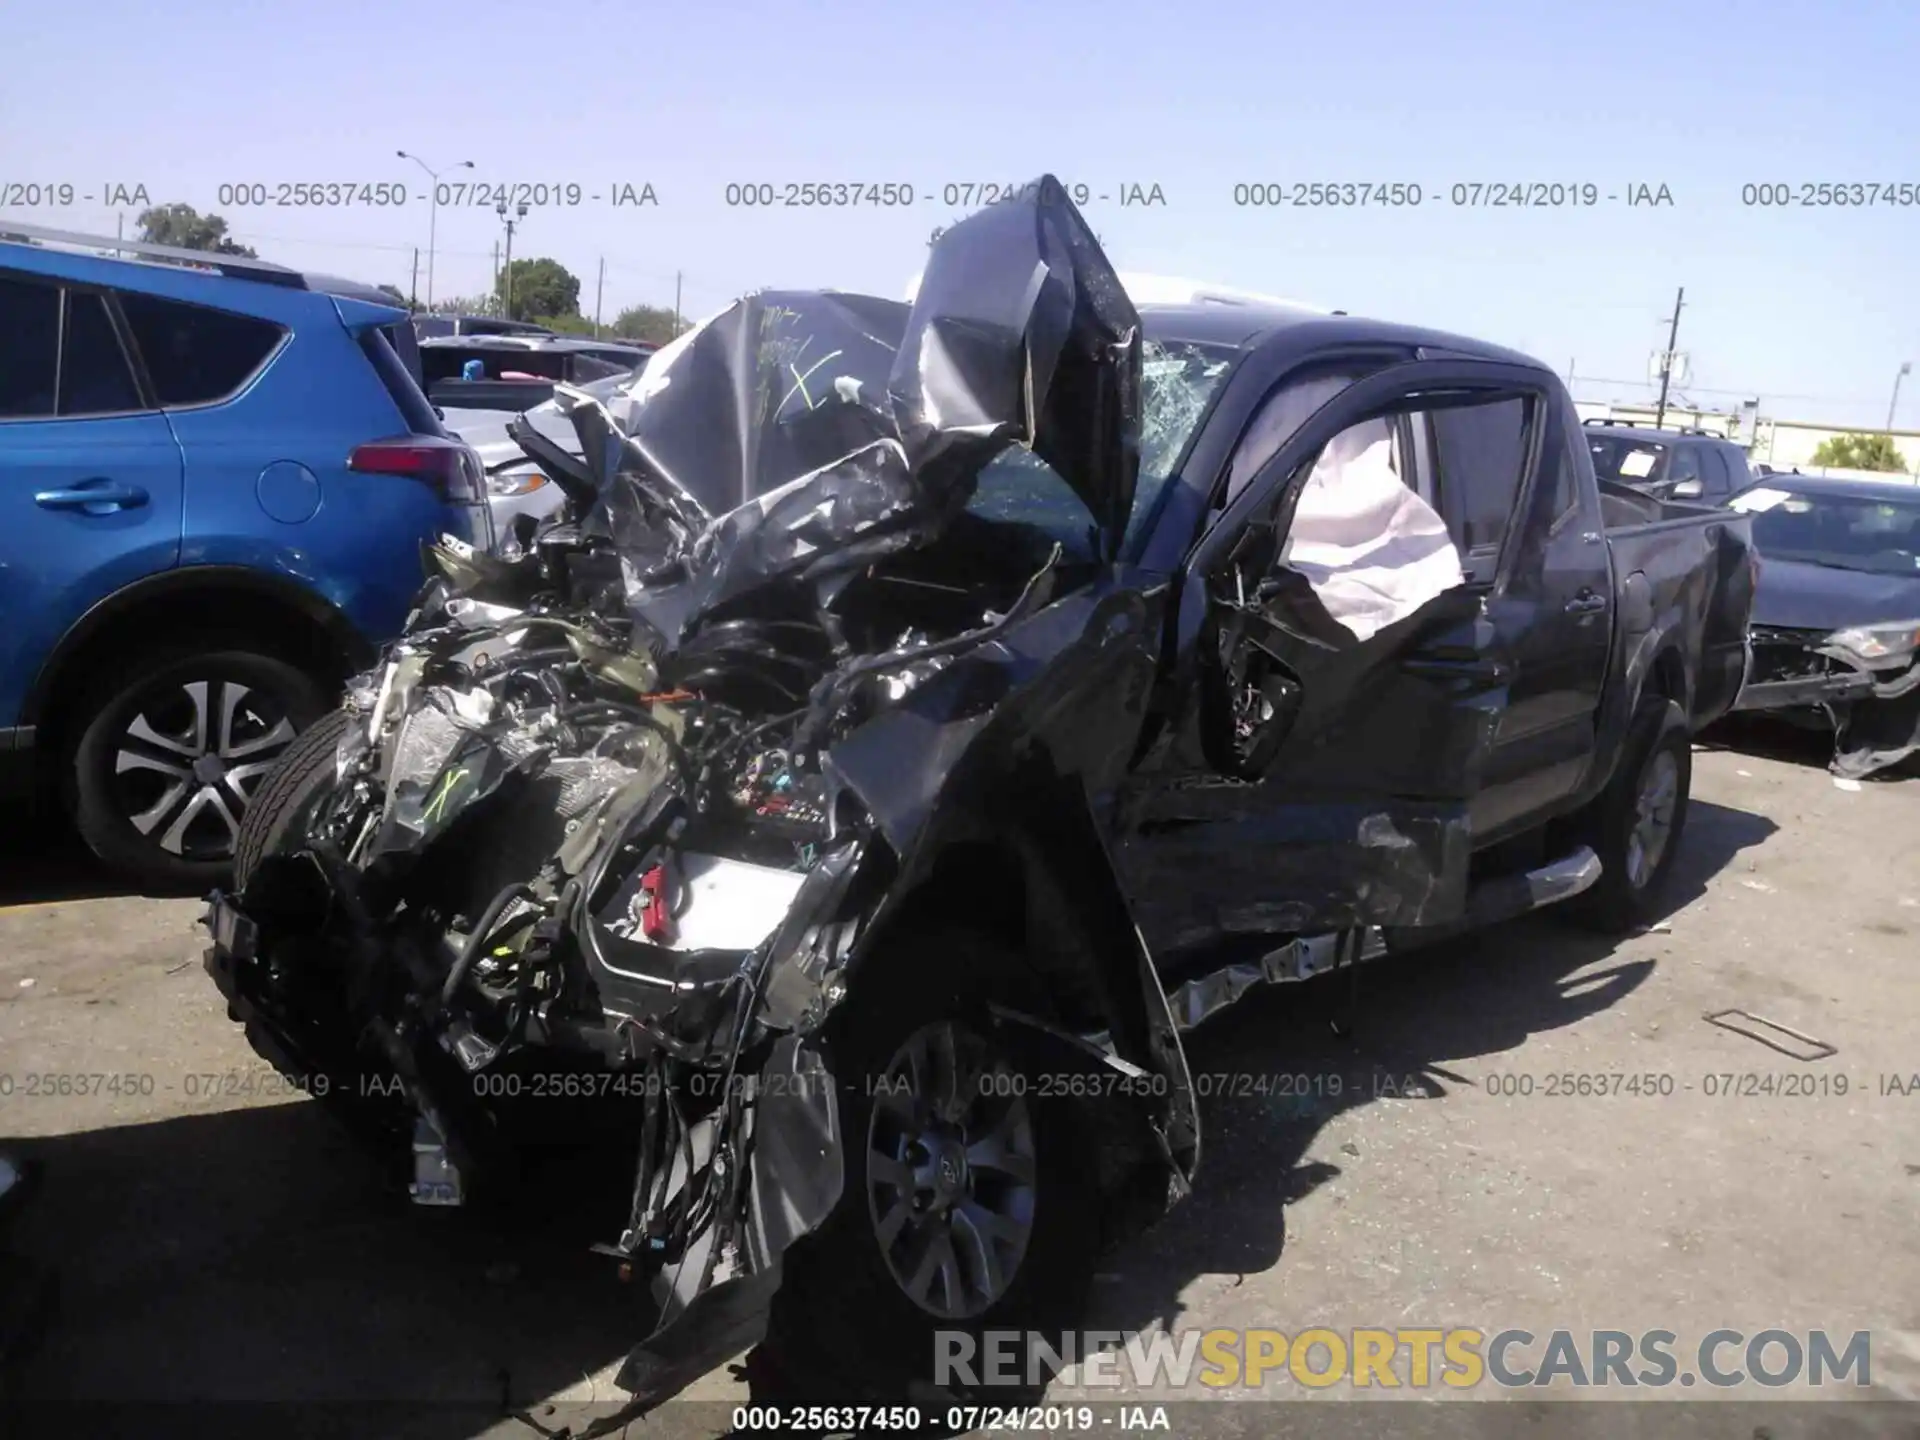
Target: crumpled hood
(1793, 595)
(798, 436)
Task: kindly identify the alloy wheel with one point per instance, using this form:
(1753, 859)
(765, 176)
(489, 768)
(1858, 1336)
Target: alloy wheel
(951, 1170)
(189, 758)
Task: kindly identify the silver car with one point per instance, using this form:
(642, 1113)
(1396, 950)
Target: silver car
(516, 485)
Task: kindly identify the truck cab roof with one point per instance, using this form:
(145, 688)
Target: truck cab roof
(1257, 325)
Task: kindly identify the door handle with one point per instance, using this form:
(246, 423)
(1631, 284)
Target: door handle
(102, 499)
(1587, 602)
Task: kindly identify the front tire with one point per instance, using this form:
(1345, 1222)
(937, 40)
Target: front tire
(303, 772)
(172, 754)
(967, 1204)
(1636, 825)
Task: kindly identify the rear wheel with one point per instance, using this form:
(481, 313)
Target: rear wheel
(173, 753)
(967, 1199)
(1636, 824)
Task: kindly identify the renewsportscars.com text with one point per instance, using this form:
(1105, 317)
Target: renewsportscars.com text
(1406, 1357)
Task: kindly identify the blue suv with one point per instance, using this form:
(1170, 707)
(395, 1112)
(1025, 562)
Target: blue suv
(216, 476)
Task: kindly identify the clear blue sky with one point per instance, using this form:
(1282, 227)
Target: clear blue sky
(1811, 309)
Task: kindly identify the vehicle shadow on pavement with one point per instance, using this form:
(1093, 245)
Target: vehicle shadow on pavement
(1768, 737)
(43, 862)
(256, 1257)
(1418, 1017)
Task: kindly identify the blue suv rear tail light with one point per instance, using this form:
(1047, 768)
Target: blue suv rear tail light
(450, 466)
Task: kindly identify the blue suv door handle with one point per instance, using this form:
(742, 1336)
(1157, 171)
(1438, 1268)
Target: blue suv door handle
(96, 499)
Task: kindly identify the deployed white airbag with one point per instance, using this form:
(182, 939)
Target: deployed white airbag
(1372, 549)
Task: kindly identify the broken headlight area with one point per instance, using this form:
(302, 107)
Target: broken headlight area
(563, 886)
(535, 906)
(1863, 684)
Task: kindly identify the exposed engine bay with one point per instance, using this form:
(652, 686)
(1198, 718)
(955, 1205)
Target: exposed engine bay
(611, 823)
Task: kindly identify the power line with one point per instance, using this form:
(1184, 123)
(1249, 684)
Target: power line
(252, 235)
(1746, 393)
(694, 283)
(663, 276)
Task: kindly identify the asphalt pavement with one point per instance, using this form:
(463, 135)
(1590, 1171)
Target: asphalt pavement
(216, 1240)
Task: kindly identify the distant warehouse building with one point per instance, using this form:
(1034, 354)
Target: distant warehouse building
(1782, 444)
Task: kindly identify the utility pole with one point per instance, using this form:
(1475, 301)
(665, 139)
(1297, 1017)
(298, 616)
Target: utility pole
(1906, 368)
(493, 295)
(413, 285)
(599, 288)
(676, 304)
(520, 213)
(1666, 359)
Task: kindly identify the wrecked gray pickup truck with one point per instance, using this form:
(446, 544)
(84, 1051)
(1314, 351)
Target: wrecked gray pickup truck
(918, 717)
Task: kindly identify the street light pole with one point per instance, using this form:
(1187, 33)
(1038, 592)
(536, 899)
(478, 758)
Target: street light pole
(433, 210)
(1906, 368)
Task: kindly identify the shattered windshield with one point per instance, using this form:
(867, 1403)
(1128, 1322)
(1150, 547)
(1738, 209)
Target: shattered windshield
(1178, 380)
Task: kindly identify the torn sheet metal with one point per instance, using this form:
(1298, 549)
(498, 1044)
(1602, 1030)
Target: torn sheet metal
(1878, 733)
(816, 433)
(640, 801)
(1331, 864)
(776, 386)
(1021, 333)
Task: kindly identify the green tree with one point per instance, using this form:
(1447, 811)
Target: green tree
(187, 228)
(646, 322)
(565, 324)
(1860, 452)
(539, 287)
(465, 305)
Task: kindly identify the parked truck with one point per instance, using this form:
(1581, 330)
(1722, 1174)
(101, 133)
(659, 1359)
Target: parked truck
(846, 802)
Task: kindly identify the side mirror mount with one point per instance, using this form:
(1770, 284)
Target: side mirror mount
(1248, 702)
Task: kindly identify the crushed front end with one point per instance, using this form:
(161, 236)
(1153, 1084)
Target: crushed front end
(543, 900)
(597, 852)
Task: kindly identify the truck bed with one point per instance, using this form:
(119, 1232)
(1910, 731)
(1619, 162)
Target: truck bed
(1682, 570)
